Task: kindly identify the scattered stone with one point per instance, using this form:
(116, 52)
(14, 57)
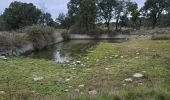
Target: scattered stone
(143, 71)
(74, 68)
(38, 78)
(3, 58)
(137, 53)
(81, 86)
(124, 84)
(78, 62)
(33, 91)
(137, 57)
(2, 92)
(77, 90)
(66, 90)
(128, 80)
(67, 79)
(138, 75)
(121, 57)
(69, 86)
(106, 68)
(140, 83)
(92, 92)
(116, 56)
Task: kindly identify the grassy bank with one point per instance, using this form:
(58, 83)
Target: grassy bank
(104, 73)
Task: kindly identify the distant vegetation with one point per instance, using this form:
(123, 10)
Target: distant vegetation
(89, 15)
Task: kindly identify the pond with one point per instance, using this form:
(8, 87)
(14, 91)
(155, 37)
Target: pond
(66, 51)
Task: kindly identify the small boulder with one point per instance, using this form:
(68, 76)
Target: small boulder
(81, 86)
(138, 75)
(78, 62)
(128, 80)
(2, 92)
(92, 92)
(106, 68)
(121, 57)
(76, 90)
(3, 58)
(66, 90)
(38, 78)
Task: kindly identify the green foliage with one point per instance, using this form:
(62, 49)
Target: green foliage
(2, 24)
(106, 8)
(87, 14)
(45, 19)
(133, 9)
(153, 10)
(19, 15)
(64, 21)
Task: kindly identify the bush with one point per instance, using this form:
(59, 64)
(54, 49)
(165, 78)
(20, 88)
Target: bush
(161, 37)
(65, 35)
(12, 39)
(40, 36)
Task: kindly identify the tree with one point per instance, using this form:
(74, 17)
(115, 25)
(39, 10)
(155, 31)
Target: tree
(20, 14)
(73, 9)
(64, 21)
(133, 9)
(106, 8)
(87, 14)
(119, 9)
(154, 9)
(45, 19)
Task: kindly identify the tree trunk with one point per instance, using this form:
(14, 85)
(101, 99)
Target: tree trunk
(117, 24)
(108, 27)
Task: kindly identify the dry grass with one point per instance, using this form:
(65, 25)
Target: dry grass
(12, 39)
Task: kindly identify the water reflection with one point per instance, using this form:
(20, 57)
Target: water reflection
(59, 58)
(67, 51)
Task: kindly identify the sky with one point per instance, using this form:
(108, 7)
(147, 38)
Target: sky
(52, 6)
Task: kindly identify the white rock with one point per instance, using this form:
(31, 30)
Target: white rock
(78, 62)
(3, 58)
(38, 78)
(143, 71)
(138, 75)
(137, 53)
(67, 79)
(69, 86)
(2, 92)
(66, 90)
(77, 90)
(128, 80)
(106, 68)
(81, 86)
(74, 68)
(122, 57)
(137, 57)
(92, 92)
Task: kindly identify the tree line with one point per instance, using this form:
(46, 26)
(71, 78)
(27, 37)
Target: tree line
(88, 13)
(122, 12)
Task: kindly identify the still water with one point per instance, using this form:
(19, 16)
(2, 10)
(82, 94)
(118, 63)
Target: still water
(66, 51)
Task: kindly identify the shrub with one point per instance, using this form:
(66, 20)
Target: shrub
(40, 36)
(65, 35)
(12, 39)
(161, 37)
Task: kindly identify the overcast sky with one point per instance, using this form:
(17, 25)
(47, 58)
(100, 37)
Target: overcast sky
(52, 6)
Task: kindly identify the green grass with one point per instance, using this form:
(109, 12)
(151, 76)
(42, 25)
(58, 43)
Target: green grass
(16, 74)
